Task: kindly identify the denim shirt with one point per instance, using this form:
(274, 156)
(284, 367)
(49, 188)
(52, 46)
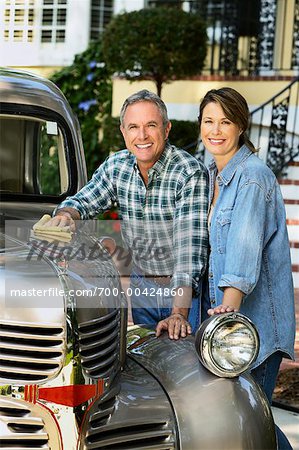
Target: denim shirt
(249, 250)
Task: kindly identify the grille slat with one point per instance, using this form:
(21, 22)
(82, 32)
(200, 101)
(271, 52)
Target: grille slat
(9, 346)
(100, 353)
(95, 322)
(30, 353)
(21, 428)
(99, 344)
(98, 364)
(106, 408)
(27, 371)
(33, 337)
(99, 331)
(131, 436)
(89, 343)
(27, 359)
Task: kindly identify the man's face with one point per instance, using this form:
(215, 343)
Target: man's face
(144, 133)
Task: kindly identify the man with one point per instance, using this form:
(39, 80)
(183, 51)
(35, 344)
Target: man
(162, 197)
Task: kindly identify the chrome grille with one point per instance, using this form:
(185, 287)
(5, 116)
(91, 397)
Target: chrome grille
(105, 408)
(21, 428)
(99, 344)
(30, 354)
(131, 435)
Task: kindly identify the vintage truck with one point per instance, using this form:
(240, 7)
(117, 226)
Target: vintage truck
(72, 375)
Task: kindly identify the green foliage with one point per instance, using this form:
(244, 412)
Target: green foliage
(87, 86)
(49, 166)
(112, 139)
(184, 134)
(157, 43)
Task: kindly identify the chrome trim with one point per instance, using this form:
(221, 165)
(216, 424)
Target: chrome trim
(27, 426)
(204, 342)
(99, 344)
(30, 352)
(150, 423)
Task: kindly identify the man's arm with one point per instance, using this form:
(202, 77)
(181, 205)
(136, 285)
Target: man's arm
(190, 251)
(190, 231)
(96, 196)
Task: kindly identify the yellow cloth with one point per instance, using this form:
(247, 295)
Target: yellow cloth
(41, 231)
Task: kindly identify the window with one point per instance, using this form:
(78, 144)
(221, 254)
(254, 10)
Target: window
(101, 13)
(54, 21)
(18, 20)
(47, 17)
(18, 35)
(46, 36)
(33, 155)
(30, 35)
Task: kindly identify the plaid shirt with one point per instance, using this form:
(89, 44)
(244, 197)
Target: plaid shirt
(164, 224)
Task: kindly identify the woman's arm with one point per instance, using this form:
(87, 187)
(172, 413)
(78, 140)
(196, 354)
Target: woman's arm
(232, 299)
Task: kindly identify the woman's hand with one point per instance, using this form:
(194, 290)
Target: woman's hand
(222, 309)
(231, 302)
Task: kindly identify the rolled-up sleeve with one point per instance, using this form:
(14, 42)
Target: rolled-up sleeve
(245, 239)
(190, 232)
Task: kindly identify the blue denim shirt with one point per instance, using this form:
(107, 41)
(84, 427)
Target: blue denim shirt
(250, 250)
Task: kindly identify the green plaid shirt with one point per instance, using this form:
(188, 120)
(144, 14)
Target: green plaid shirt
(164, 224)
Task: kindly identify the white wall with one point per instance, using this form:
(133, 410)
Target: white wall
(121, 6)
(37, 53)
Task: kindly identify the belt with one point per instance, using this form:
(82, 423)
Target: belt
(159, 279)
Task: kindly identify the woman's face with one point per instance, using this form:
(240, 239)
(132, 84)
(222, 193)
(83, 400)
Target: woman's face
(220, 135)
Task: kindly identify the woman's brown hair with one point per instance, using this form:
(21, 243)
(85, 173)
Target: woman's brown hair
(235, 109)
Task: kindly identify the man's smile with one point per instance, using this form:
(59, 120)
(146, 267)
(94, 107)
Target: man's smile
(143, 146)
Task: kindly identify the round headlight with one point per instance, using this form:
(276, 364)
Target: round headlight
(227, 344)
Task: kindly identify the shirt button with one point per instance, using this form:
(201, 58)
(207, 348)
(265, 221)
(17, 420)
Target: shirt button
(213, 301)
(211, 275)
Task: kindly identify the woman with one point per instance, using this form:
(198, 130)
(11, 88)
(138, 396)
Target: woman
(249, 264)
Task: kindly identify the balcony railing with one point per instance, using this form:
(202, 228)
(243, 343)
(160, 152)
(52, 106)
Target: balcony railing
(275, 128)
(260, 37)
(247, 37)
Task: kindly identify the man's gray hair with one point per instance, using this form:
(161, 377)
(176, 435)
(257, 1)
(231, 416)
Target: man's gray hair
(145, 96)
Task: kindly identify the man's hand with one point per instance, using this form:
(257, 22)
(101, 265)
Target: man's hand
(176, 324)
(61, 221)
(64, 218)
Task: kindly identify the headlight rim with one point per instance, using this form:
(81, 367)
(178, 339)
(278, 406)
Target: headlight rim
(203, 340)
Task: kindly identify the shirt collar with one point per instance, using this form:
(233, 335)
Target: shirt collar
(164, 158)
(229, 170)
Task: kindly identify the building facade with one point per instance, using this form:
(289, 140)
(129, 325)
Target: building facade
(44, 35)
(260, 37)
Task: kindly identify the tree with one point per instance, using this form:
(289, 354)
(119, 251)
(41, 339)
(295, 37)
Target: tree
(87, 86)
(161, 44)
